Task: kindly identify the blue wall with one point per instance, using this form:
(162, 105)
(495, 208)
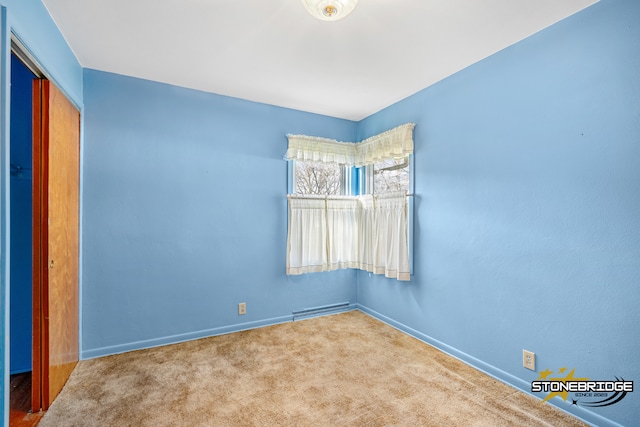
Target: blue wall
(185, 214)
(21, 195)
(528, 207)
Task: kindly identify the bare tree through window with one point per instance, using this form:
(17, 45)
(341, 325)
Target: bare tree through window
(317, 178)
(391, 175)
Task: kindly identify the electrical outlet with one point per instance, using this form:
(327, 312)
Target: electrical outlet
(529, 360)
(242, 308)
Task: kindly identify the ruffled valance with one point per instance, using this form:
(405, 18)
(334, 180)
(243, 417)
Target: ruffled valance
(395, 143)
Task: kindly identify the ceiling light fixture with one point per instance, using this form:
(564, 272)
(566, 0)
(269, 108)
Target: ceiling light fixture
(329, 10)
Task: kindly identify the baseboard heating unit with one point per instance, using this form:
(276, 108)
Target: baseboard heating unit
(318, 311)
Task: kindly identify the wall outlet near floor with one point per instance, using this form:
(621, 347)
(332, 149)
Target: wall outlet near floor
(242, 308)
(529, 360)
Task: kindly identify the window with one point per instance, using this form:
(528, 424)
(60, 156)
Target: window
(387, 176)
(350, 204)
(320, 178)
(391, 175)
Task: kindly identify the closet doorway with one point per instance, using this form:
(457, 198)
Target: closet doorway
(54, 216)
(21, 207)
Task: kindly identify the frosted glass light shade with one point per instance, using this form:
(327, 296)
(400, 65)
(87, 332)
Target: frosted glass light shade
(329, 10)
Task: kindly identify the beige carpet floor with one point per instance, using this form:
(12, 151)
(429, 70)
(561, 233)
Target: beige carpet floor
(346, 369)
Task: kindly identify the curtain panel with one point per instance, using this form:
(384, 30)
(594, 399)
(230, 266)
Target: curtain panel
(342, 232)
(390, 248)
(335, 232)
(395, 143)
(307, 235)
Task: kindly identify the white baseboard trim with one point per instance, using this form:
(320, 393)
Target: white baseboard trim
(174, 339)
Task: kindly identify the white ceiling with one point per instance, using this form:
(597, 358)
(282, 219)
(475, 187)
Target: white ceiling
(273, 51)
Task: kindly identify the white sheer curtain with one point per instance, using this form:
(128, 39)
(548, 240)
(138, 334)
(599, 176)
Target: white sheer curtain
(335, 232)
(307, 235)
(342, 232)
(367, 220)
(389, 236)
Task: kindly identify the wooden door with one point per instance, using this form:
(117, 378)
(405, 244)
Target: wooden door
(56, 159)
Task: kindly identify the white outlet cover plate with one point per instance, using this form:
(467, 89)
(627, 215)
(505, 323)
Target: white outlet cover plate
(529, 359)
